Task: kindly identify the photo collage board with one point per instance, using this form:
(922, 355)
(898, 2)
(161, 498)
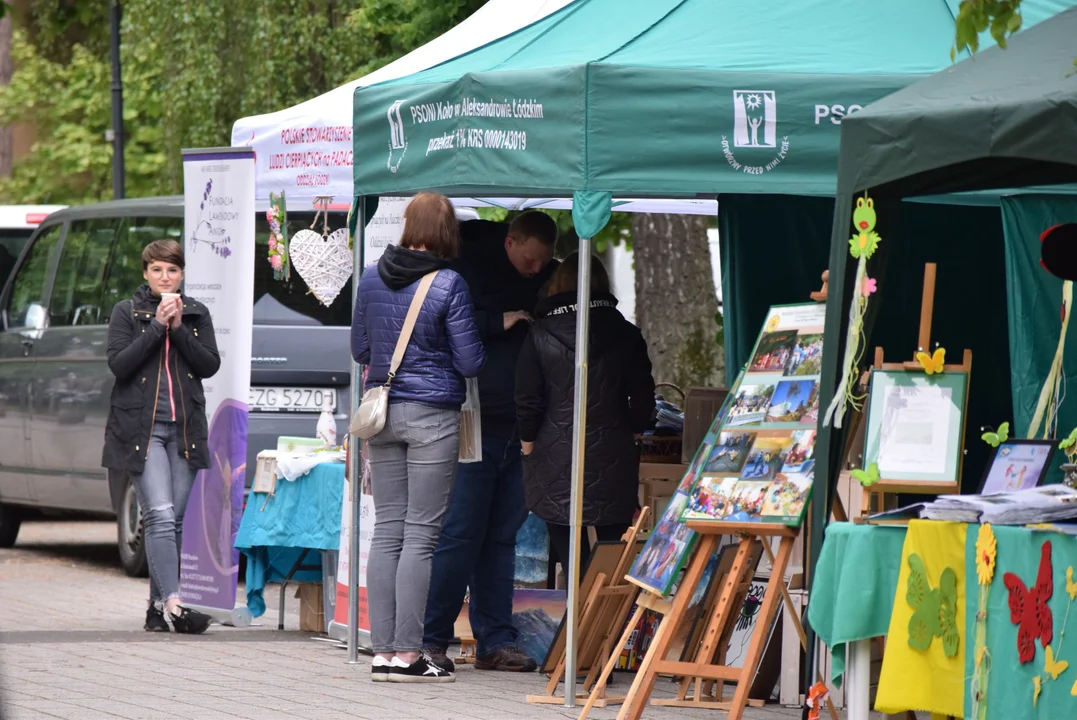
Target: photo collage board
(671, 543)
(761, 462)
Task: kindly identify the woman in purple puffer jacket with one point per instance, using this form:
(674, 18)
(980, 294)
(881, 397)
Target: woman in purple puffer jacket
(413, 460)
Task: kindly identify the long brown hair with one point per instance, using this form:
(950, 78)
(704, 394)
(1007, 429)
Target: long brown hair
(565, 278)
(430, 222)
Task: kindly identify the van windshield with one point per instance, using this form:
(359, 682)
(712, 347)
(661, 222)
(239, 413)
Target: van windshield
(289, 302)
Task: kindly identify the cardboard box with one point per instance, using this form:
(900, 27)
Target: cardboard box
(311, 609)
(265, 475)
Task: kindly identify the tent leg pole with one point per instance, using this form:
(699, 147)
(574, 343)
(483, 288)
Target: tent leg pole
(579, 437)
(355, 474)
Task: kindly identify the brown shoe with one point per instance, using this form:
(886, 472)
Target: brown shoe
(506, 659)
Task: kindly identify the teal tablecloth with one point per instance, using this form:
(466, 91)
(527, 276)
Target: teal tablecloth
(852, 593)
(304, 513)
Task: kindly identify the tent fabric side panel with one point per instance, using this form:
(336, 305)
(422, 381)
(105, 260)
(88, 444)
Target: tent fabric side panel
(507, 134)
(667, 133)
(774, 250)
(1033, 306)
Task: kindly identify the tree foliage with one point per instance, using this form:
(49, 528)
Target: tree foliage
(190, 70)
(1001, 17)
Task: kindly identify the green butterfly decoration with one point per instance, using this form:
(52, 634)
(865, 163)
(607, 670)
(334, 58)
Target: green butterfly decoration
(994, 439)
(1069, 441)
(868, 477)
(935, 609)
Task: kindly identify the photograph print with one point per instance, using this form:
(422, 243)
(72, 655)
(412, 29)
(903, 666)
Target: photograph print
(729, 453)
(710, 499)
(786, 496)
(791, 401)
(807, 356)
(773, 352)
(746, 502)
(672, 516)
(698, 464)
(766, 458)
(801, 456)
(750, 405)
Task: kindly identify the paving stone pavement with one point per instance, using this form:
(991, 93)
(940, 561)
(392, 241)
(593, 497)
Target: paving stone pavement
(71, 646)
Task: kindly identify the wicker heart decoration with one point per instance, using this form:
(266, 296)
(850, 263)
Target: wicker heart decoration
(324, 263)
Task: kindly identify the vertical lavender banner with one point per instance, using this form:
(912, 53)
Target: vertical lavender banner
(219, 245)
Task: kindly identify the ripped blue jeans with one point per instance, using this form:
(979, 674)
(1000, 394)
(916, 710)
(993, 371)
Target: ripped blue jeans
(163, 489)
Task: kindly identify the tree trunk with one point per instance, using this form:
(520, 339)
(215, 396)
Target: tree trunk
(675, 299)
(6, 71)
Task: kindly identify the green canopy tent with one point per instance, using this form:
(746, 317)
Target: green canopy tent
(646, 98)
(1006, 119)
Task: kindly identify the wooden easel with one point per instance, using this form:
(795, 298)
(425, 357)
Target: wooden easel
(885, 487)
(703, 666)
(604, 610)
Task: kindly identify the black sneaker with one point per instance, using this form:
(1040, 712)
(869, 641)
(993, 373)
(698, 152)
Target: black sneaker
(379, 670)
(190, 622)
(506, 659)
(155, 620)
(422, 670)
(439, 657)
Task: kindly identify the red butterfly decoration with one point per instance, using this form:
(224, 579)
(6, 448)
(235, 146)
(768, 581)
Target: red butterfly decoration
(1028, 608)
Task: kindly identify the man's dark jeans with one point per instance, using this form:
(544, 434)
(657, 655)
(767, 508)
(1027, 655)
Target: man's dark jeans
(477, 548)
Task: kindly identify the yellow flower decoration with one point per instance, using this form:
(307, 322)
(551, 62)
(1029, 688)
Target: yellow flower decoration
(986, 547)
(1071, 587)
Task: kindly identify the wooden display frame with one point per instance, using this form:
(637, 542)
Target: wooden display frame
(605, 608)
(889, 486)
(703, 667)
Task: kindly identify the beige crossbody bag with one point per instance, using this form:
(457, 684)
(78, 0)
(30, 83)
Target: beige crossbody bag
(369, 419)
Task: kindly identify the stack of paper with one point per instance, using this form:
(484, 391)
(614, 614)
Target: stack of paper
(1051, 503)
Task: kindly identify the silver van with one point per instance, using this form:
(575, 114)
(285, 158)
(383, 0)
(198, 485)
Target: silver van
(54, 377)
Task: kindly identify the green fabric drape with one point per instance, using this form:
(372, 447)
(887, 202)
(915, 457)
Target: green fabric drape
(591, 212)
(1033, 307)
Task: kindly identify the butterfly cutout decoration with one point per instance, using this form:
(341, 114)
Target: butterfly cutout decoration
(1070, 440)
(994, 439)
(934, 609)
(867, 477)
(1028, 607)
(1051, 666)
(1037, 686)
(933, 363)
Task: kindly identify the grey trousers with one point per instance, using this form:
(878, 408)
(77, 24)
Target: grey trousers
(163, 489)
(412, 467)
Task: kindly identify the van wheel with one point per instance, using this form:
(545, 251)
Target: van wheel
(129, 531)
(10, 520)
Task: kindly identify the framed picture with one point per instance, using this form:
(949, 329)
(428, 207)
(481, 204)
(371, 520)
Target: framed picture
(915, 426)
(1017, 465)
(666, 550)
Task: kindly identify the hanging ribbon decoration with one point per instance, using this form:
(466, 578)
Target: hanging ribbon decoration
(862, 245)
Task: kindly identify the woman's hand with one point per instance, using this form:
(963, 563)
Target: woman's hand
(527, 447)
(166, 312)
(177, 319)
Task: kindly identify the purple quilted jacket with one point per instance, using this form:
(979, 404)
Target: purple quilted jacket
(445, 347)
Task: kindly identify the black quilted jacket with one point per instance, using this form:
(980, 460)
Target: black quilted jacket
(620, 403)
(136, 353)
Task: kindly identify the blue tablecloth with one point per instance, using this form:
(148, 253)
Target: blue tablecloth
(304, 513)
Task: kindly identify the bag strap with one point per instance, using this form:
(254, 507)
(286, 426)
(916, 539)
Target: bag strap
(409, 323)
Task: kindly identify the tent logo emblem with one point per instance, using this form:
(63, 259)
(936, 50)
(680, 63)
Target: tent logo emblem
(755, 119)
(398, 144)
(755, 127)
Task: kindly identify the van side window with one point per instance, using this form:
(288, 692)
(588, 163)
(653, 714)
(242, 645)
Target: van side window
(78, 292)
(28, 288)
(125, 265)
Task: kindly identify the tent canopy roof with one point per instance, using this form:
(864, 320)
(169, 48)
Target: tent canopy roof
(1005, 118)
(651, 98)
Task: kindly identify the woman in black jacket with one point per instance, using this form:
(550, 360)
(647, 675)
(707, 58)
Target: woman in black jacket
(160, 347)
(620, 406)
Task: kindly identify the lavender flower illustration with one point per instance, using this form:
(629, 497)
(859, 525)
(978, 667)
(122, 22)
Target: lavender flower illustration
(219, 246)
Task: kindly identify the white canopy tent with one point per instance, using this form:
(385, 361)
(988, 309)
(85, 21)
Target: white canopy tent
(306, 150)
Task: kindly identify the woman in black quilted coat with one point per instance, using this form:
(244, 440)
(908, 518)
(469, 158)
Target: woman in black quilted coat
(620, 406)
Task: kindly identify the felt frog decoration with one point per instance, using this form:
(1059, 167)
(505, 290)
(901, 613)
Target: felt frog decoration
(866, 240)
(935, 608)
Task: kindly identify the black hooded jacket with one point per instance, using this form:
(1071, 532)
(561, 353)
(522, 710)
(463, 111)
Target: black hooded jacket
(136, 353)
(497, 288)
(620, 403)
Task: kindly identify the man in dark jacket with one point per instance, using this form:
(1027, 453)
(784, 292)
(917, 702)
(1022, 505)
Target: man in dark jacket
(505, 269)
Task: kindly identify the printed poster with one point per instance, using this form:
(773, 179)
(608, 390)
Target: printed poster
(219, 249)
